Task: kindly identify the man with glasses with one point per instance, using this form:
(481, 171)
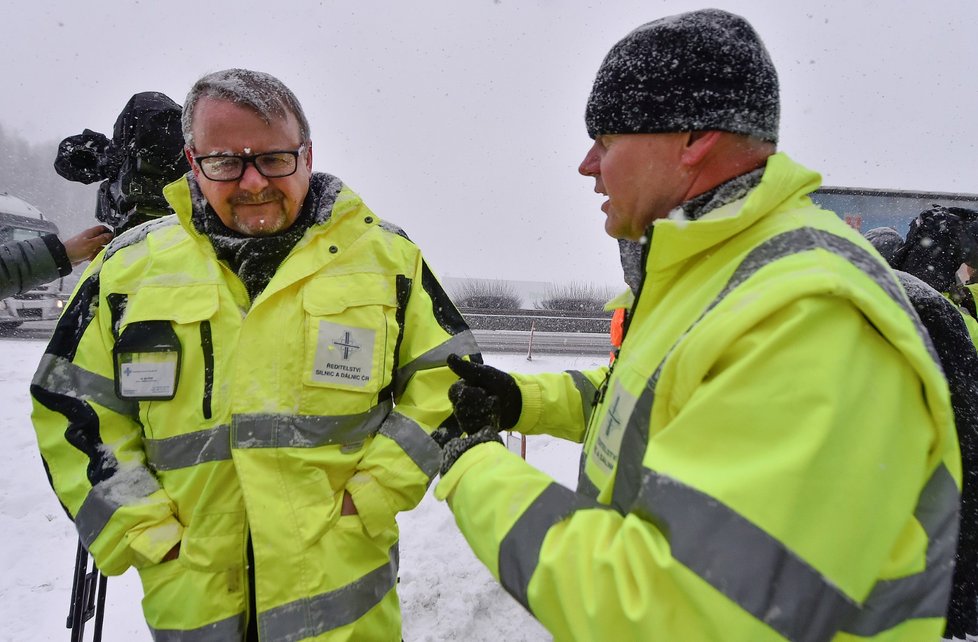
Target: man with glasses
(238, 399)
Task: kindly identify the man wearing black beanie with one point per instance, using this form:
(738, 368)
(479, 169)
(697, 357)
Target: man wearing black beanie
(738, 481)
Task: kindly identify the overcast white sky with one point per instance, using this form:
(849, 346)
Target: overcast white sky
(462, 120)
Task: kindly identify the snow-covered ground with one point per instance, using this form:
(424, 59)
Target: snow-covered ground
(446, 593)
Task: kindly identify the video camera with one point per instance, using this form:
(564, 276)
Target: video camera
(143, 155)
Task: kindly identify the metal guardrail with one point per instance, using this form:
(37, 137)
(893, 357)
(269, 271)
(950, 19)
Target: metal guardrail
(557, 321)
(518, 342)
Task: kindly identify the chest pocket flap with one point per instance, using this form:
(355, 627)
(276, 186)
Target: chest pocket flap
(327, 295)
(179, 304)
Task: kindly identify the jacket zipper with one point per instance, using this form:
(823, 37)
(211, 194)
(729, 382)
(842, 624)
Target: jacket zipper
(207, 345)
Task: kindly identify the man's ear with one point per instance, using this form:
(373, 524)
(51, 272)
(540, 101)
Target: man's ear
(190, 160)
(309, 155)
(698, 146)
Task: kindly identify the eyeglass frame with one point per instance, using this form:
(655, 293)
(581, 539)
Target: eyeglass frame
(245, 159)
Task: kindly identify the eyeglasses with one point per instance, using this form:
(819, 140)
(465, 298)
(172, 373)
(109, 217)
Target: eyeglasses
(228, 167)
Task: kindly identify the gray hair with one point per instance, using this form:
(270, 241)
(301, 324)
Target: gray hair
(261, 92)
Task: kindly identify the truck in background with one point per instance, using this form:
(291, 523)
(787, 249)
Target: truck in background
(20, 220)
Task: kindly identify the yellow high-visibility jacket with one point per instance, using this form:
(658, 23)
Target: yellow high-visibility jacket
(170, 408)
(773, 456)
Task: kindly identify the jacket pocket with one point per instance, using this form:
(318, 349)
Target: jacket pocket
(350, 331)
(166, 331)
(317, 507)
(214, 541)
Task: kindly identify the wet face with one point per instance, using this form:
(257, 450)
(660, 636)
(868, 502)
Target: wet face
(642, 176)
(254, 204)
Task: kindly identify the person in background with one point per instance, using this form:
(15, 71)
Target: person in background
(941, 246)
(26, 264)
(737, 482)
(238, 399)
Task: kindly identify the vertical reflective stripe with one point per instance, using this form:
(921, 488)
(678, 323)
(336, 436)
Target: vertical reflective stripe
(414, 441)
(587, 391)
(127, 486)
(232, 628)
(925, 594)
(318, 614)
(463, 344)
(742, 561)
(783, 245)
(187, 450)
(305, 431)
(585, 486)
(634, 443)
(519, 552)
(62, 377)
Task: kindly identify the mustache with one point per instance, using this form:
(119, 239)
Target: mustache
(264, 196)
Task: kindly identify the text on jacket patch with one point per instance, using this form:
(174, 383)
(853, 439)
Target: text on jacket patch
(607, 442)
(344, 355)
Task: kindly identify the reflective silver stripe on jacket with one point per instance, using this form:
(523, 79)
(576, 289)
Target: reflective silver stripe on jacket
(305, 431)
(414, 441)
(519, 552)
(587, 391)
(264, 431)
(925, 594)
(232, 628)
(311, 616)
(462, 344)
(182, 451)
(635, 439)
(60, 376)
(129, 485)
(766, 579)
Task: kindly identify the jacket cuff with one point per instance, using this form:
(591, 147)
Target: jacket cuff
(58, 253)
(467, 460)
(376, 513)
(153, 543)
(532, 404)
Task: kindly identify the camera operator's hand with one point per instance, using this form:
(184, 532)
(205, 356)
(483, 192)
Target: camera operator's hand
(86, 244)
(495, 382)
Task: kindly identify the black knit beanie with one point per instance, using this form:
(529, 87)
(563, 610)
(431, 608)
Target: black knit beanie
(703, 70)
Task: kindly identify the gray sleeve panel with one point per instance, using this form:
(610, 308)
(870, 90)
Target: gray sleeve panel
(25, 265)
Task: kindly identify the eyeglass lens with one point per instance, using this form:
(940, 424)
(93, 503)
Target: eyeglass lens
(273, 165)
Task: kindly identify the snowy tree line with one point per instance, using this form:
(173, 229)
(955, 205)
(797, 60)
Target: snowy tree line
(27, 172)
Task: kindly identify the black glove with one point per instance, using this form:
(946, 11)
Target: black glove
(498, 384)
(476, 415)
(474, 409)
(455, 447)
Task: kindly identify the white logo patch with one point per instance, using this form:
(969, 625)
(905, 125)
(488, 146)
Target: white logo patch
(344, 355)
(608, 442)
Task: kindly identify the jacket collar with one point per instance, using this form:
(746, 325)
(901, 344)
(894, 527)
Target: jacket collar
(186, 199)
(784, 184)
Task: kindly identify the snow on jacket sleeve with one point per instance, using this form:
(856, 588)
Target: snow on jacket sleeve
(399, 464)
(91, 442)
(588, 572)
(26, 264)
